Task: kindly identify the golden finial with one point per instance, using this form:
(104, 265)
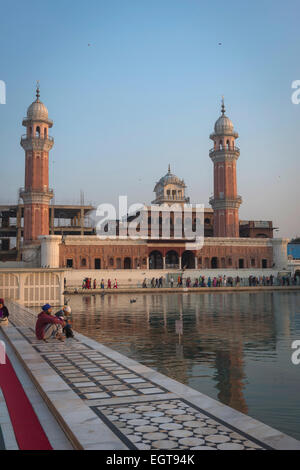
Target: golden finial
(223, 106)
(38, 90)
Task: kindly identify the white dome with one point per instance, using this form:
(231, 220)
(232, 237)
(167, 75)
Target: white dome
(223, 125)
(38, 111)
(170, 178)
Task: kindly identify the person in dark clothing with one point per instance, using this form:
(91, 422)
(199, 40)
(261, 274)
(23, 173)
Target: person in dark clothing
(4, 314)
(64, 314)
(48, 326)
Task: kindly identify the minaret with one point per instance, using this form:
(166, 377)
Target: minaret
(225, 201)
(36, 193)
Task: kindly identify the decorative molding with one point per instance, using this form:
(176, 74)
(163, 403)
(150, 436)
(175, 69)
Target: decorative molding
(35, 144)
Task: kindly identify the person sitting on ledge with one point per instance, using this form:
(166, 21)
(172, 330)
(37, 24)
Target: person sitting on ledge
(48, 326)
(65, 315)
(3, 313)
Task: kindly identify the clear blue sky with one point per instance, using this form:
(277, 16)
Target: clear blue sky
(147, 92)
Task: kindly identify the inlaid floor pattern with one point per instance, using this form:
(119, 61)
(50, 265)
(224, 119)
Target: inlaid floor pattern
(141, 413)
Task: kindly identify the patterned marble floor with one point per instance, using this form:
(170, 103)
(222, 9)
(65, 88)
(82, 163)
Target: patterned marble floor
(140, 413)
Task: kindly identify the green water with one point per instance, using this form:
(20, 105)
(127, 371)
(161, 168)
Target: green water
(235, 347)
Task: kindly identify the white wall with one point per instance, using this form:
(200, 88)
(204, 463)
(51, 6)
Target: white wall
(135, 277)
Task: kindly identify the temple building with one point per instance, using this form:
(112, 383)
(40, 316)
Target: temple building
(229, 243)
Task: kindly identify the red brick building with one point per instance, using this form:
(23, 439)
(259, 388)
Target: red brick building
(228, 242)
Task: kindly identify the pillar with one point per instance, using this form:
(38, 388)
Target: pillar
(50, 251)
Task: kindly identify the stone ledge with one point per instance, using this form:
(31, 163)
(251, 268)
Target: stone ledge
(76, 415)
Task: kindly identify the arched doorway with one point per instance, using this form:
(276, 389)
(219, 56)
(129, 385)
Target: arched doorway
(155, 260)
(172, 259)
(188, 260)
(214, 262)
(127, 263)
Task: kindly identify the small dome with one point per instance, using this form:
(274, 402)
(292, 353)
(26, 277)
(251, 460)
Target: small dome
(37, 110)
(224, 125)
(170, 178)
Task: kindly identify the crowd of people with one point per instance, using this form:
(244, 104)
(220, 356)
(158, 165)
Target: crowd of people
(58, 325)
(201, 281)
(88, 283)
(222, 281)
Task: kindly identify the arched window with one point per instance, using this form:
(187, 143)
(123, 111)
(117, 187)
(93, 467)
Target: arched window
(38, 131)
(155, 260)
(188, 260)
(83, 262)
(172, 259)
(228, 144)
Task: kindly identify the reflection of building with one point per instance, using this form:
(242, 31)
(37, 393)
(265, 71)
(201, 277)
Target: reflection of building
(215, 334)
(229, 242)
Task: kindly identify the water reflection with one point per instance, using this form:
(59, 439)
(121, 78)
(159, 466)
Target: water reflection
(233, 347)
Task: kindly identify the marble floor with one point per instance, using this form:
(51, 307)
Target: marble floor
(7, 435)
(121, 404)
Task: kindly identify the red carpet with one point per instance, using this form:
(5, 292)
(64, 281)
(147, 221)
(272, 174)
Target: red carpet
(28, 430)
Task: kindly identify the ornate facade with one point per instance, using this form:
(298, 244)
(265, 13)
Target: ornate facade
(228, 242)
(36, 193)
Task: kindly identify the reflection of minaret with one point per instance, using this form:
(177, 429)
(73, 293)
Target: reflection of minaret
(282, 314)
(230, 376)
(165, 312)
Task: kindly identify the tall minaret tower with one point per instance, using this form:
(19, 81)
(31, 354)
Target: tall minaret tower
(225, 201)
(36, 193)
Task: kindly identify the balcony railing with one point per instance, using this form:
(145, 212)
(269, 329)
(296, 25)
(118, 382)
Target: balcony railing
(226, 149)
(31, 190)
(39, 138)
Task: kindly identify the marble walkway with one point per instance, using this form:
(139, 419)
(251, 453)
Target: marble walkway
(104, 400)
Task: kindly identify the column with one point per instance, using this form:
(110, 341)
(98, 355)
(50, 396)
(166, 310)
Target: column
(50, 250)
(196, 262)
(82, 220)
(18, 240)
(147, 262)
(179, 259)
(280, 258)
(51, 220)
(164, 262)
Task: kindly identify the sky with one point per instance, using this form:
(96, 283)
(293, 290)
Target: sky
(135, 85)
